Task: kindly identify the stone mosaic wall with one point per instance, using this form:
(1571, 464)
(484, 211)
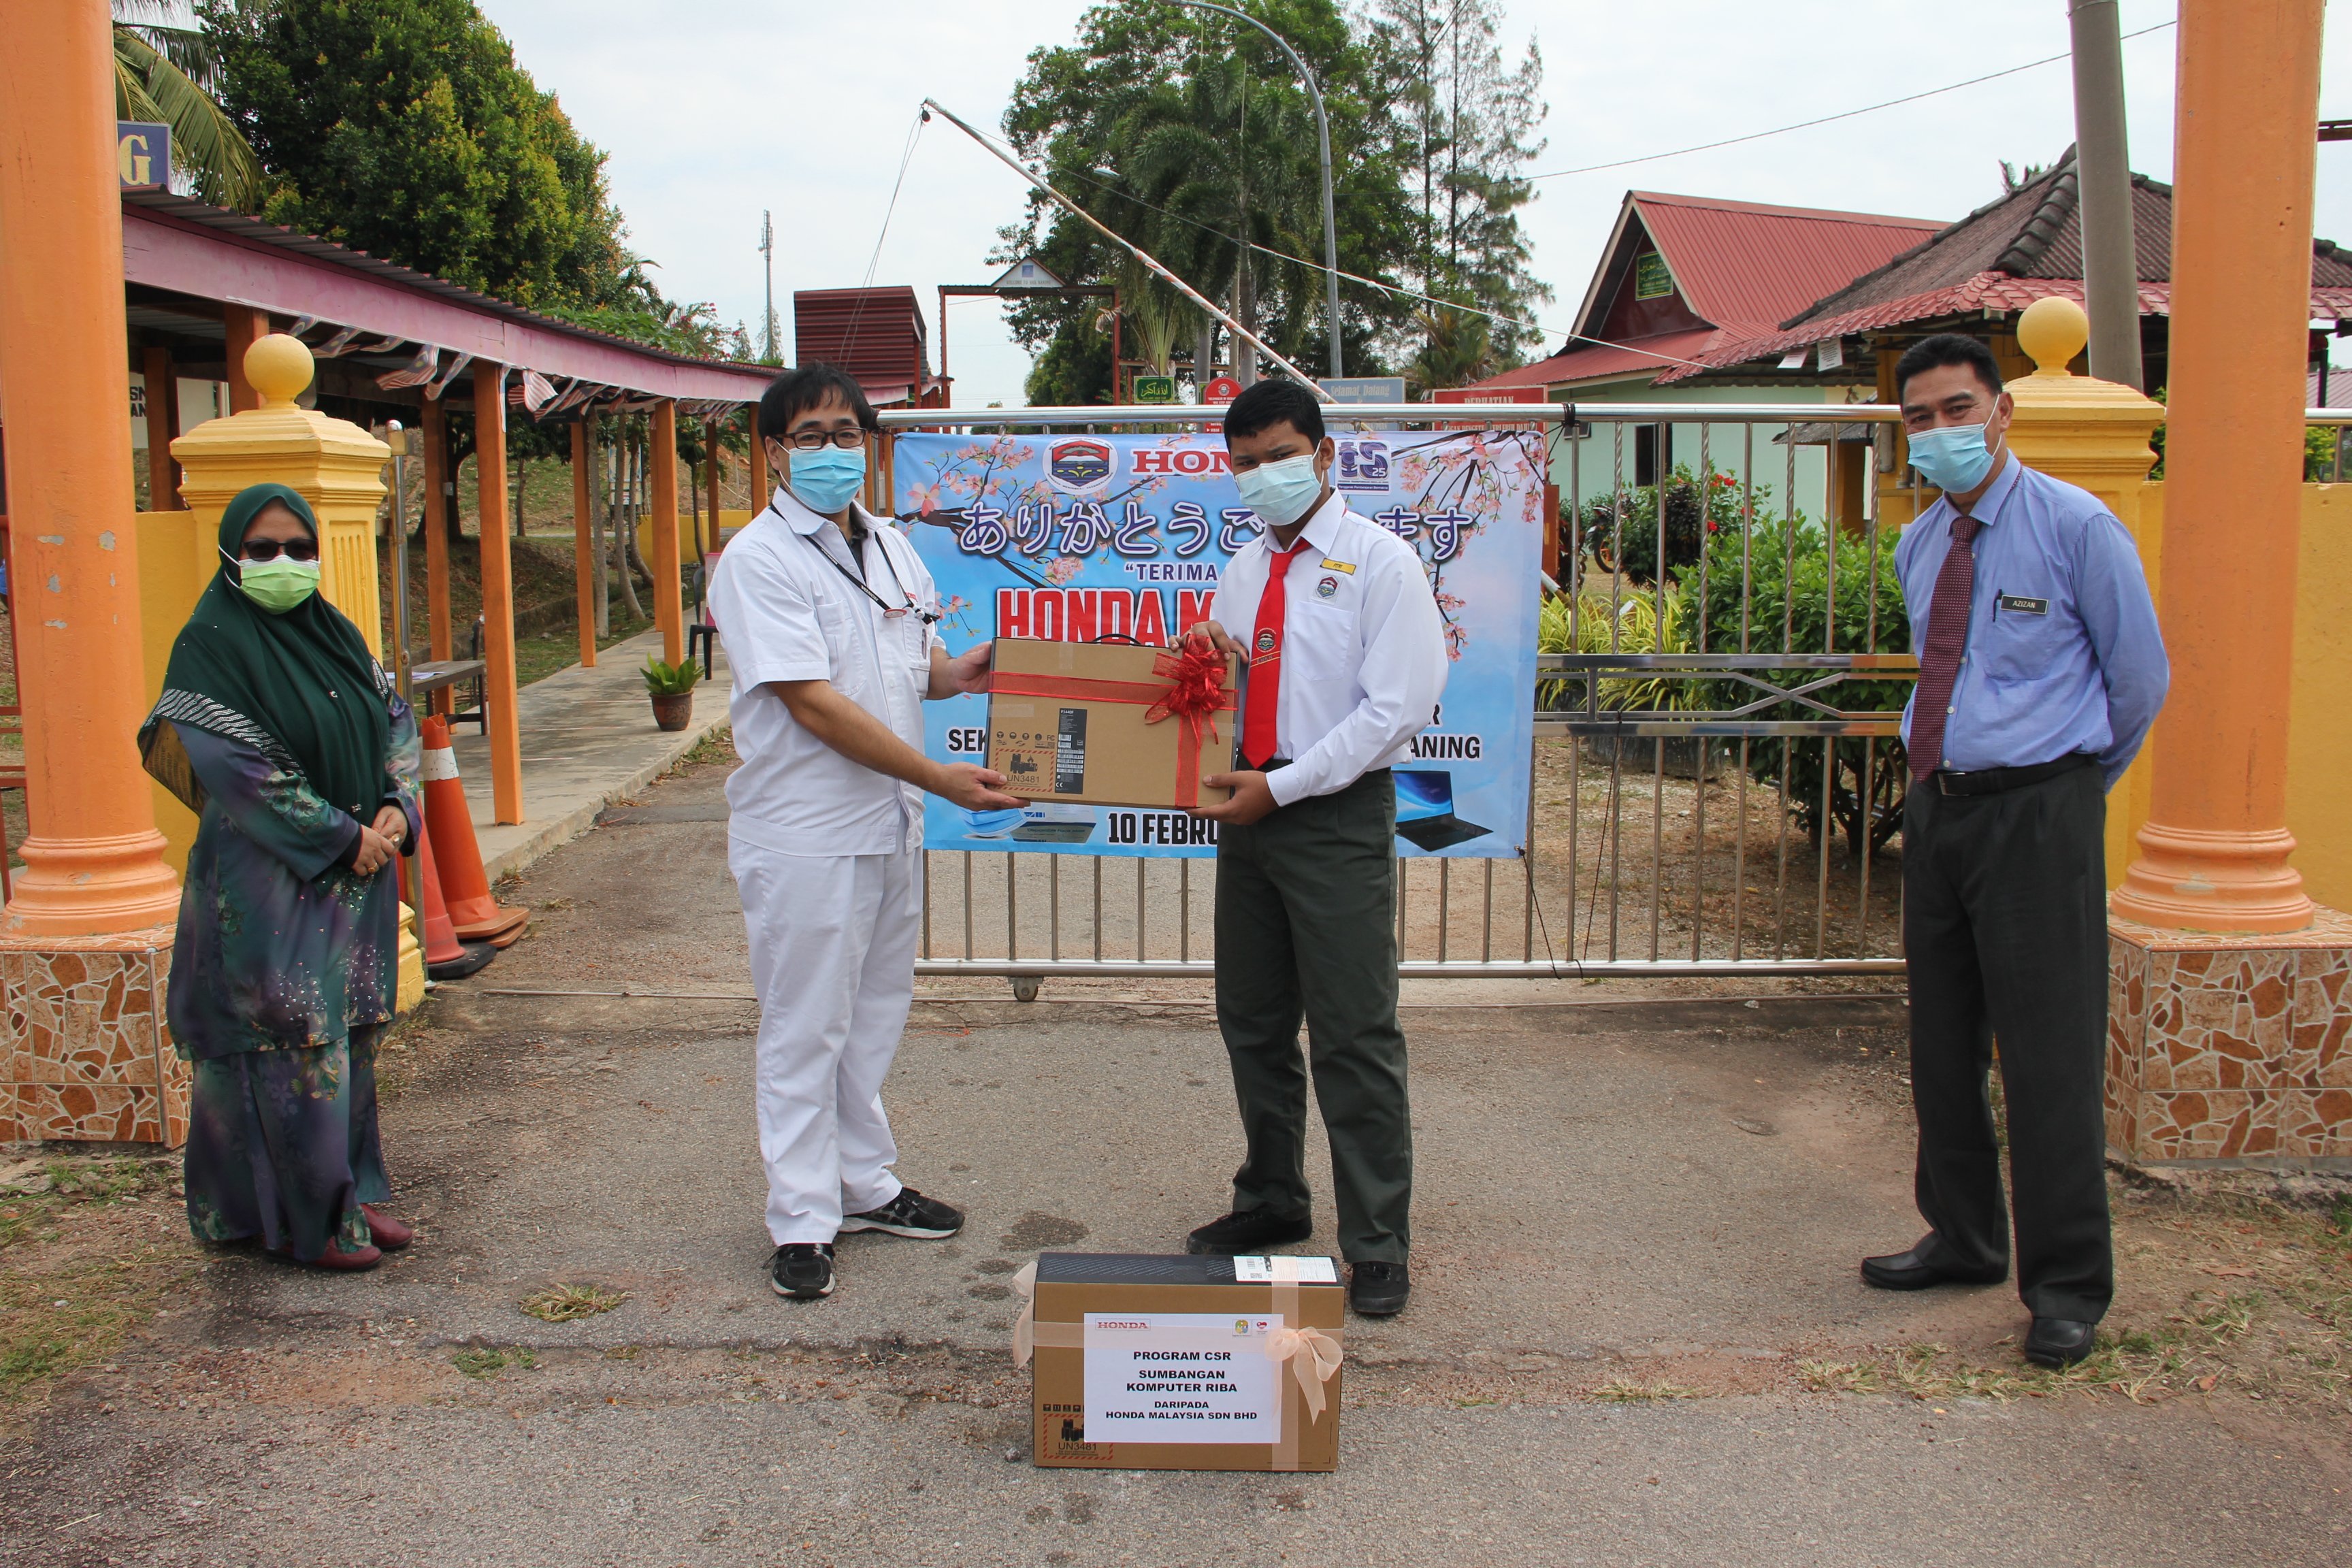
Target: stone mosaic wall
(2230, 1047)
(88, 1055)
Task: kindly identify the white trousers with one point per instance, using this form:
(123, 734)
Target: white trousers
(833, 959)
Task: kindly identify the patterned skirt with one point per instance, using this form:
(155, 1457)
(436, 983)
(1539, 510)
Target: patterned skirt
(282, 1145)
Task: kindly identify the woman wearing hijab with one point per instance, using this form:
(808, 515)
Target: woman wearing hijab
(280, 731)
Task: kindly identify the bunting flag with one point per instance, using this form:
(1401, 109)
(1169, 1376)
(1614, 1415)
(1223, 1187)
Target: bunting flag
(456, 368)
(336, 346)
(531, 392)
(416, 372)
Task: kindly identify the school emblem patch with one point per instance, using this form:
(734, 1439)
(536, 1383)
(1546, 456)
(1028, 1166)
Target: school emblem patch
(1326, 588)
(1265, 640)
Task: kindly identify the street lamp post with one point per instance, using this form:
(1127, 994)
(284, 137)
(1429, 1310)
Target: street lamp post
(1323, 138)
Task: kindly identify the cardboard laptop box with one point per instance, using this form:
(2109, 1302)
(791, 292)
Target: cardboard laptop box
(1183, 1362)
(1087, 723)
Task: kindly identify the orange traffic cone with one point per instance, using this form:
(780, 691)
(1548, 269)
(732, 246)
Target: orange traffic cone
(473, 914)
(446, 958)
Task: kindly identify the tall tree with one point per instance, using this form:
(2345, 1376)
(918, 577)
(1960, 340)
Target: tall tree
(1460, 124)
(1190, 134)
(403, 128)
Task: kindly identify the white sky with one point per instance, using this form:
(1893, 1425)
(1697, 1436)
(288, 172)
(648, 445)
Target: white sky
(712, 111)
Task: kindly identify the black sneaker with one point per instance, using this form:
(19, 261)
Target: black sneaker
(802, 1270)
(1378, 1289)
(1247, 1232)
(909, 1213)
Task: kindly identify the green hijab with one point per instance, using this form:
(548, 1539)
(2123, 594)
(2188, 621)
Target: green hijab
(299, 688)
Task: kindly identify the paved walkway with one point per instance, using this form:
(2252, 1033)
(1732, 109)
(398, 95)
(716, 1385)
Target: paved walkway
(588, 740)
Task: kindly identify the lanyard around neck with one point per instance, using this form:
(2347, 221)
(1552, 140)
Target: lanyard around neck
(853, 580)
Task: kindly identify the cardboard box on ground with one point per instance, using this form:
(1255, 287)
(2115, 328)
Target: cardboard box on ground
(1071, 722)
(1161, 1364)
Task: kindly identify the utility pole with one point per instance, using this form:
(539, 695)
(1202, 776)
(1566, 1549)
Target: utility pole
(2103, 168)
(768, 255)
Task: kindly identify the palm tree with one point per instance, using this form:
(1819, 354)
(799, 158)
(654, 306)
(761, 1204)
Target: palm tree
(165, 70)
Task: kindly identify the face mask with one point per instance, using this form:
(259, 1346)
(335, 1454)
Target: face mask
(827, 478)
(278, 585)
(1281, 492)
(1954, 458)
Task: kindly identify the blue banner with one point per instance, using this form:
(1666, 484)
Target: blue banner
(1079, 537)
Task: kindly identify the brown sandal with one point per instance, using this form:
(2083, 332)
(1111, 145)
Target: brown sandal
(335, 1258)
(386, 1232)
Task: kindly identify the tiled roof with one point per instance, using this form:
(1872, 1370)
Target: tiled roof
(1740, 265)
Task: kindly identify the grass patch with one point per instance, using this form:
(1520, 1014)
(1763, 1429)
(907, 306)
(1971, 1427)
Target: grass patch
(81, 1263)
(718, 746)
(570, 1303)
(482, 1363)
(1622, 1391)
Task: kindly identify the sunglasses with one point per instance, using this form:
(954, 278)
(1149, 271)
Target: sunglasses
(270, 549)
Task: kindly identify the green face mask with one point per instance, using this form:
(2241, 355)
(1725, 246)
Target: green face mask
(278, 585)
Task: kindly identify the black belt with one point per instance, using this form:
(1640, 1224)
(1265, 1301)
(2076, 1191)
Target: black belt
(1993, 781)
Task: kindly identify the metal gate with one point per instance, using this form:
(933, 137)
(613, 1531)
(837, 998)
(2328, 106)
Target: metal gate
(1717, 770)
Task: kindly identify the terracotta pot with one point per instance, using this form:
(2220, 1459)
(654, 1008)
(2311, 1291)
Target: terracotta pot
(676, 711)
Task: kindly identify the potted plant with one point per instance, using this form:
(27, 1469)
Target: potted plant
(672, 689)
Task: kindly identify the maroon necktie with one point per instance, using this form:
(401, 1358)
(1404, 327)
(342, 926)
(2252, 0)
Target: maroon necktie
(1947, 635)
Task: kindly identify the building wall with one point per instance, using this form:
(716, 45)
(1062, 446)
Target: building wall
(1726, 444)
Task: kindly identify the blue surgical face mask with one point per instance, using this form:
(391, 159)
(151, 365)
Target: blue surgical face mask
(1280, 492)
(827, 478)
(1953, 458)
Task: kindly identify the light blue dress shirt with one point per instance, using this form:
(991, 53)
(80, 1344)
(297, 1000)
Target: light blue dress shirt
(2063, 654)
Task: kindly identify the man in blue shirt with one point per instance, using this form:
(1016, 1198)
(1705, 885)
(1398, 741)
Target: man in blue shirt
(2041, 669)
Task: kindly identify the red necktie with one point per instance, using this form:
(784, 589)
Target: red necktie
(1939, 659)
(1260, 710)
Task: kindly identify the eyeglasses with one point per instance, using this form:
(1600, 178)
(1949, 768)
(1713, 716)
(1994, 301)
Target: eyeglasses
(269, 549)
(810, 440)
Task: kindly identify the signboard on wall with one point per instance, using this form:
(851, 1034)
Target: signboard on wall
(143, 154)
(1079, 537)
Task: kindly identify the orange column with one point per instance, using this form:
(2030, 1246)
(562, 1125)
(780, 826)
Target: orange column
(245, 325)
(708, 541)
(498, 590)
(669, 613)
(761, 485)
(583, 548)
(440, 503)
(162, 424)
(93, 861)
(2213, 855)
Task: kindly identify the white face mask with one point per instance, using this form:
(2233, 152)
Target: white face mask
(1280, 492)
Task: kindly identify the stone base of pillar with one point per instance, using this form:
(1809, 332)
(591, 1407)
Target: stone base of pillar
(85, 1052)
(2230, 1050)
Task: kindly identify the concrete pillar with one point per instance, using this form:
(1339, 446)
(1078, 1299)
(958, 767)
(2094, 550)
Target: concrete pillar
(2213, 855)
(669, 614)
(85, 942)
(162, 424)
(584, 564)
(243, 327)
(498, 591)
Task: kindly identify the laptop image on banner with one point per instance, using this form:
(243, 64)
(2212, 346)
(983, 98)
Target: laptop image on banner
(1425, 816)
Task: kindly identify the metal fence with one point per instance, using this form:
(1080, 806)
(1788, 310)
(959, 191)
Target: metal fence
(1718, 770)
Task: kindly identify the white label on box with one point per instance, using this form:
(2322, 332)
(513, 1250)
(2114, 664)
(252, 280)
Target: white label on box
(1285, 1269)
(1181, 1377)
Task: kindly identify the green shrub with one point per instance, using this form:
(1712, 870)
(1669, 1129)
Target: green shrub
(670, 680)
(1620, 531)
(1787, 570)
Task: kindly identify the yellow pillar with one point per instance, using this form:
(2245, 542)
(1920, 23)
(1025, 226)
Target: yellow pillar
(669, 615)
(498, 591)
(335, 464)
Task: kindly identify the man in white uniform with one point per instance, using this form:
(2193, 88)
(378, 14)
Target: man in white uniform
(1346, 660)
(827, 613)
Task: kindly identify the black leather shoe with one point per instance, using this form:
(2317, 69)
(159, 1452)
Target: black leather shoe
(1247, 1232)
(2059, 1342)
(1917, 1269)
(1378, 1289)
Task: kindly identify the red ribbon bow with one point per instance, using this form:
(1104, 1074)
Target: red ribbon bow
(1195, 673)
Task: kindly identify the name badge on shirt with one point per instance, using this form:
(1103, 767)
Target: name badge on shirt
(1346, 566)
(2018, 604)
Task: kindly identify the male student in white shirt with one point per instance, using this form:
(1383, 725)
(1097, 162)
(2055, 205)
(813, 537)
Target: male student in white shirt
(826, 613)
(1347, 661)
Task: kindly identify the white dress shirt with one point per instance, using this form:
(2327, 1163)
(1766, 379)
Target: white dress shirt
(1363, 650)
(787, 608)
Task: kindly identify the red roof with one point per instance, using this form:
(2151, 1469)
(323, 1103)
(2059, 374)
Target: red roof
(1737, 263)
(1740, 269)
(874, 335)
